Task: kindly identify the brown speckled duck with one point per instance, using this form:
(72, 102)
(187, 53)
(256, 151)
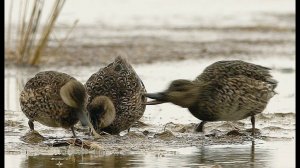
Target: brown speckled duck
(225, 91)
(115, 91)
(55, 99)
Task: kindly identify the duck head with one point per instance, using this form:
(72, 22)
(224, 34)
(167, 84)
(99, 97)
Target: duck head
(180, 92)
(102, 111)
(74, 95)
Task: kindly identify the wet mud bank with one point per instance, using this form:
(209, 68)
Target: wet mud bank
(144, 137)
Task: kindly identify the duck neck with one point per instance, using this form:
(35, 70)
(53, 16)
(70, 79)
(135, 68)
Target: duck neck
(82, 116)
(188, 98)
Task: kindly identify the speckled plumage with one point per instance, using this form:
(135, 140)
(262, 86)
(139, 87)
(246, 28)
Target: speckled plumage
(225, 69)
(54, 99)
(120, 83)
(225, 91)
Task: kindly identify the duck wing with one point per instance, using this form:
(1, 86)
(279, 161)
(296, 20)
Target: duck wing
(51, 79)
(41, 100)
(225, 69)
(233, 98)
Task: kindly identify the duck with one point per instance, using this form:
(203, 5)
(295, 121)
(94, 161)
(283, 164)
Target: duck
(55, 99)
(227, 90)
(115, 91)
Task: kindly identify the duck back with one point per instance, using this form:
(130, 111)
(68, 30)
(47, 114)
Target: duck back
(41, 100)
(231, 98)
(122, 85)
(232, 68)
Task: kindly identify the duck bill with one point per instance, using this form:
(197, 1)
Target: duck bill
(85, 121)
(83, 118)
(159, 98)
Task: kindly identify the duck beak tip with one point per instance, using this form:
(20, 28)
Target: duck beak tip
(158, 98)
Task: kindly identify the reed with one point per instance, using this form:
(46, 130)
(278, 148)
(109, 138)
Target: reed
(46, 32)
(32, 36)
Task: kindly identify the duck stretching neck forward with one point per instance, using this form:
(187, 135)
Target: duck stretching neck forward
(181, 92)
(225, 91)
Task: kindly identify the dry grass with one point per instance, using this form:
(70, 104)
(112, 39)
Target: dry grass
(32, 36)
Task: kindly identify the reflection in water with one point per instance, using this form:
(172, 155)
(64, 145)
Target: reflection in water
(223, 155)
(81, 161)
(227, 156)
(236, 156)
(252, 152)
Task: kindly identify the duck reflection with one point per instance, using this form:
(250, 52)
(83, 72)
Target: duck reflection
(115, 160)
(231, 156)
(222, 155)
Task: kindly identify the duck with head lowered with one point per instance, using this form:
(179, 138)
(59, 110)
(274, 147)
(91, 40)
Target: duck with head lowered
(225, 91)
(116, 97)
(55, 99)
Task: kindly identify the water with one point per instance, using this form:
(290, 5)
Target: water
(155, 13)
(197, 156)
(276, 150)
(196, 32)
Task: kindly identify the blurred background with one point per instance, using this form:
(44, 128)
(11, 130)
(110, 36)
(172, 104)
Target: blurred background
(64, 34)
(93, 32)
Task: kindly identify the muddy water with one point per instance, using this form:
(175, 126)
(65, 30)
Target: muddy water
(173, 41)
(175, 30)
(167, 137)
(202, 156)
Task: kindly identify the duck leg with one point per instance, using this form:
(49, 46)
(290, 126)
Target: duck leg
(31, 125)
(74, 135)
(253, 124)
(104, 133)
(199, 128)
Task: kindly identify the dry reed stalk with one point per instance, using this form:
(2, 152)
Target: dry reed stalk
(29, 35)
(22, 29)
(34, 30)
(47, 29)
(29, 46)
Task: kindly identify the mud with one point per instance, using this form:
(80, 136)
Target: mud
(99, 45)
(163, 48)
(147, 138)
(165, 131)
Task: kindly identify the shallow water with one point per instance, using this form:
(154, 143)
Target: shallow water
(274, 147)
(156, 13)
(197, 33)
(275, 155)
